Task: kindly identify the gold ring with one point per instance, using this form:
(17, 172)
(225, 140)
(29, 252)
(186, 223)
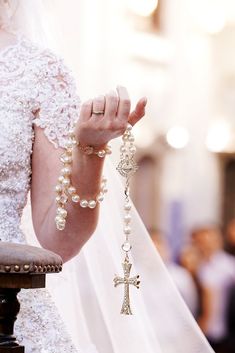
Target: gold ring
(101, 112)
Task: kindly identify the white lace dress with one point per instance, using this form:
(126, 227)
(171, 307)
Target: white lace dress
(31, 80)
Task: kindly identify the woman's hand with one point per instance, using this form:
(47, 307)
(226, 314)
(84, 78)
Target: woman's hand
(97, 129)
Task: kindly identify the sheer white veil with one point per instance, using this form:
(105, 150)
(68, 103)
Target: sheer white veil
(84, 292)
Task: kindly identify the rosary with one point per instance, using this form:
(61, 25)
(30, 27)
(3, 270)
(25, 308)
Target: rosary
(65, 191)
(127, 167)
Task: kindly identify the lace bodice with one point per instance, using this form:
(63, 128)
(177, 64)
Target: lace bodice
(35, 88)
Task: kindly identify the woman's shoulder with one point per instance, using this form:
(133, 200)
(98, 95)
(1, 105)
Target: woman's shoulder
(44, 60)
(37, 52)
(40, 67)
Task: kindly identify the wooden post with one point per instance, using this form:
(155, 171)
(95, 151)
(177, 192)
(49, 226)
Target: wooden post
(9, 309)
(10, 286)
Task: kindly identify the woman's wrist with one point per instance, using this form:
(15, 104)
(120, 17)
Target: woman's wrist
(86, 168)
(80, 181)
(100, 151)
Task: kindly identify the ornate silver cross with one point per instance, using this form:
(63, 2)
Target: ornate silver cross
(127, 167)
(126, 280)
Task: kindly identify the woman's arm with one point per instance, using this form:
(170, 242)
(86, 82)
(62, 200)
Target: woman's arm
(86, 173)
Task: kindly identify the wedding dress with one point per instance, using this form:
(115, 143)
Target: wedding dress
(30, 79)
(34, 80)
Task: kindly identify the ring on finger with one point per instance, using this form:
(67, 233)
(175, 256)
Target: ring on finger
(98, 106)
(100, 112)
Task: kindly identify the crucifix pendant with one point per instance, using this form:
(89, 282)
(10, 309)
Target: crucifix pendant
(127, 167)
(127, 281)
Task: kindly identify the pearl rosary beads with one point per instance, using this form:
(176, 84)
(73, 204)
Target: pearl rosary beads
(127, 167)
(65, 190)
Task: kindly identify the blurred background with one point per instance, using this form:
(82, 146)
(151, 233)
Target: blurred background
(181, 55)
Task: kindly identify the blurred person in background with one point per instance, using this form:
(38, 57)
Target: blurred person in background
(216, 275)
(190, 259)
(230, 237)
(181, 276)
(231, 320)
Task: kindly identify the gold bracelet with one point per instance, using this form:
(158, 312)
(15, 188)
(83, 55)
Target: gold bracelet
(89, 150)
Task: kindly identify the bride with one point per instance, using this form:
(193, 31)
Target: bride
(39, 106)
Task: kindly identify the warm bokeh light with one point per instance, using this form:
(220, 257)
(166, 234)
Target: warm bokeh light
(209, 15)
(177, 137)
(143, 7)
(218, 136)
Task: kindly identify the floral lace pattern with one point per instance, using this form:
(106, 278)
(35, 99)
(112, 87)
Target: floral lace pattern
(35, 88)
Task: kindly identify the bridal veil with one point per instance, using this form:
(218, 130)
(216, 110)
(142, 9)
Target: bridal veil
(88, 302)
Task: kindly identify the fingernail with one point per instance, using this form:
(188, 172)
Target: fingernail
(145, 101)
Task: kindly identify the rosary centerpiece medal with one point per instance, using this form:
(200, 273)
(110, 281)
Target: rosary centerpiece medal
(127, 167)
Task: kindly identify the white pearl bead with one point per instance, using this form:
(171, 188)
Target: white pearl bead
(62, 212)
(129, 127)
(66, 182)
(69, 144)
(125, 137)
(75, 198)
(65, 158)
(71, 132)
(63, 199)
(100, 197)
(58, 188)
(92, 204)
(57, 199)
(58, 219)
(131, 138)
(60, 226)
(127, 207)
(127, 218)
(66, 171)
(71, 190)
(102, 153)
(127, 230)
(126, 246)
(123, 149)
(104, 179)
(60, 179)
(108, 150)
(84, 203)
(104, 190)
(132, 149)
(74, 142)
(59, 209)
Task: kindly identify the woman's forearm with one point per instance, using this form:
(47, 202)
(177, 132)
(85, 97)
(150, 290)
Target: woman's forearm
(81, 222)
(100, 121)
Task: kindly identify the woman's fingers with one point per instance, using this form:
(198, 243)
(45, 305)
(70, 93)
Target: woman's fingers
(98, 108)
(86, 110)
(124, 106)
(139, 111)
(106, 117)
(111, 105)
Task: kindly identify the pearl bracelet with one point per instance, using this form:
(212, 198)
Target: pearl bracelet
(65, 190)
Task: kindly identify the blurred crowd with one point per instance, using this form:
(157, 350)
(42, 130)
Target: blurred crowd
(204, 273)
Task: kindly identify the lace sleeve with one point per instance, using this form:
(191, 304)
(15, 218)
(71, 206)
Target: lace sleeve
(57, 104)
